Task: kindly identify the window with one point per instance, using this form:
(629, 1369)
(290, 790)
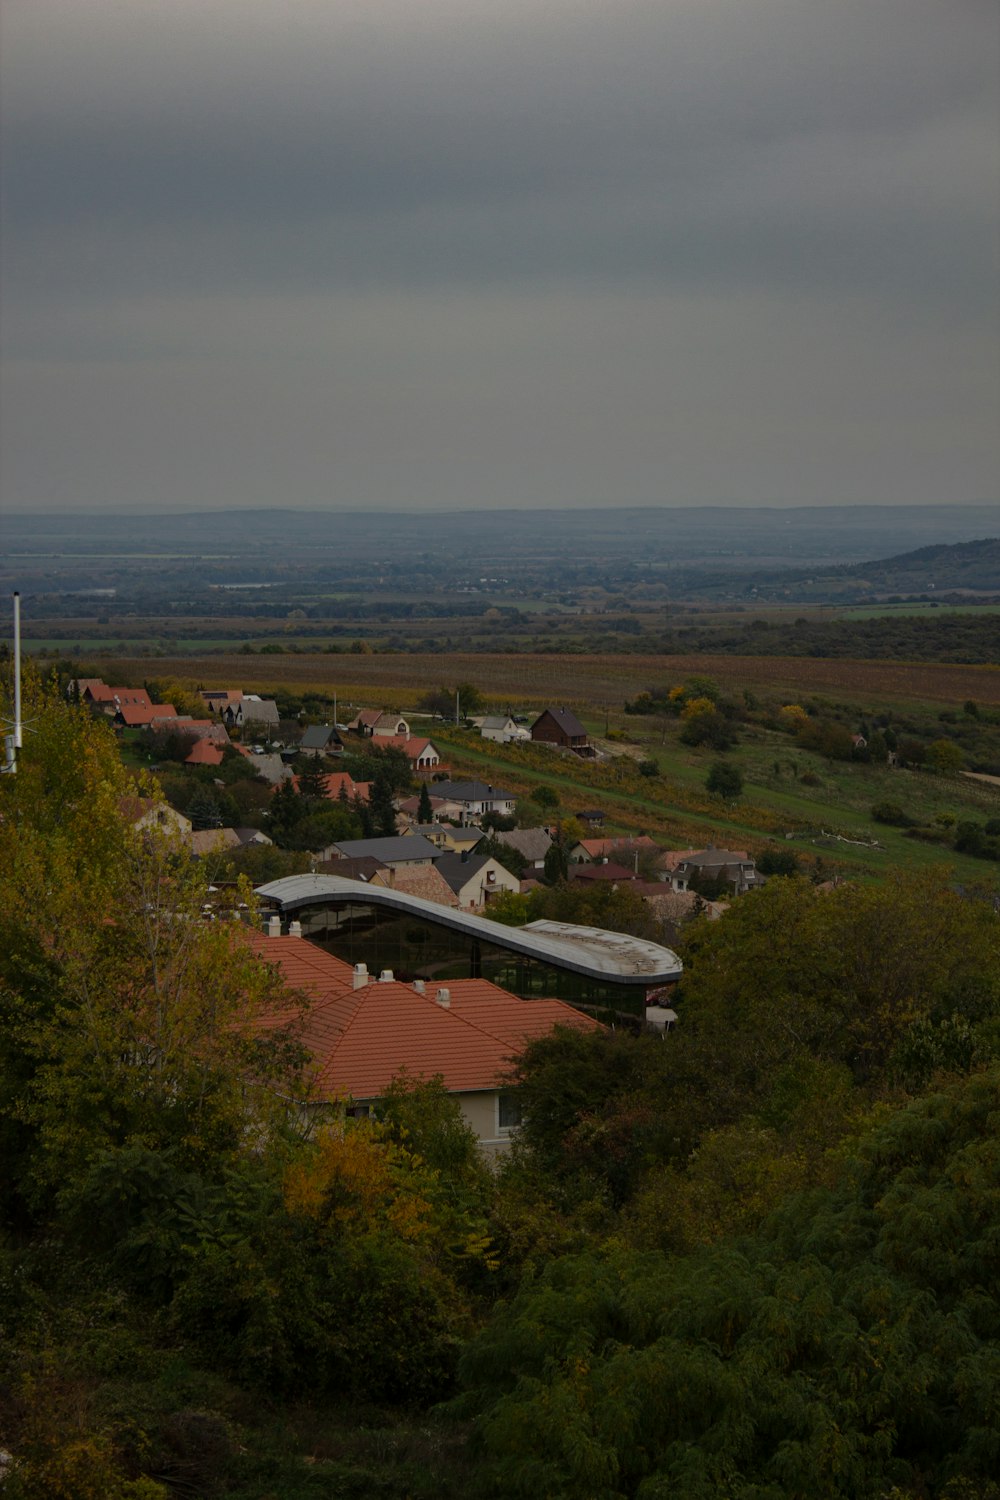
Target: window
(508, 1112)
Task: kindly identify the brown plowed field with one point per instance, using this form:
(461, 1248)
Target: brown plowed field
(597, 682)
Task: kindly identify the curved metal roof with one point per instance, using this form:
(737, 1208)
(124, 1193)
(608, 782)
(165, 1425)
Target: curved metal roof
(612, 957)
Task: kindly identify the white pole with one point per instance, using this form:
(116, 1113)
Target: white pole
(17, 671)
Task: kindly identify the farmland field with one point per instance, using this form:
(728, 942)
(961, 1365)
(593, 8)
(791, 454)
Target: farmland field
(600, 682)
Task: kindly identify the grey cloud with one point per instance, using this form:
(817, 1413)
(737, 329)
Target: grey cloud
(659, 249)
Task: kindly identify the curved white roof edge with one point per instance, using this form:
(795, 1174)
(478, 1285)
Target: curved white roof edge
(612, 957)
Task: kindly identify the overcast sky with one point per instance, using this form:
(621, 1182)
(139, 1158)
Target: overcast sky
(470, 253)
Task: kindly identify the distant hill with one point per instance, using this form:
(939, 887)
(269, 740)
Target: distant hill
(958, 569)
(965, 565)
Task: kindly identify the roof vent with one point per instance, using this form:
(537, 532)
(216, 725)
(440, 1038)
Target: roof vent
(420, 987)
(273, 928)
(385, 977)
(359, 978)
(443, 998)
(295, 929)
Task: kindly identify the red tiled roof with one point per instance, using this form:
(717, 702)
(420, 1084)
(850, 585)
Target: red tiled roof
(601, 848)
(139, 716)
(134, 808)
(303, 964)
(470, 1044)
(607, 872)
(362, 1038)
(337, 779)
(204, 753)
(412, 804)
(412, 747)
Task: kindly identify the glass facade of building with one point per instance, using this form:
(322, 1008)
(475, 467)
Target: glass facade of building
(414, 947)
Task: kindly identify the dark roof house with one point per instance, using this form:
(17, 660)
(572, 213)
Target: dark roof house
(320, 739)
(560, 726)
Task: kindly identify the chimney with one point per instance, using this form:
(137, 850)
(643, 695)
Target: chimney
(295, 929)
(420, 987)
(360, 976)
(273, 928)
(385, 977)
(443, 998)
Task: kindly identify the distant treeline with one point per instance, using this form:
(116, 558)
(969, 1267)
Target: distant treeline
(973, 638)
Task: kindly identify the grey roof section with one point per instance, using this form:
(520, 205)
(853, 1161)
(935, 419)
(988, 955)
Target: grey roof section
(398, 849)
(470, 836)
(457, 869)
(495, 721)
(361, 868)
(259, 710)
(710, 859)
(533, 843)
(271, 767)
(318, 736)
(610, 957)
(470, 791)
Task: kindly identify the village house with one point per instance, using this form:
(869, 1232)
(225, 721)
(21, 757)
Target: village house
(397, 850)
(363, 1032)
(607, 873)
(379, 723)
(204, 753)
(423, 754)
(733, 867)
(204, 841)
(408, 808)
(561, 727)
(96, 694)
(446, 837)
(474, 798)
(502, 729)
(320, 739)
(623, 850)
(146, 814)
(218, 698)
(261, 713)
(145, 716)
(424, 881)
(531, 843)
(475, 878)
(340, 786)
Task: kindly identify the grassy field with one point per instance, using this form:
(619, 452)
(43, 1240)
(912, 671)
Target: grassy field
(830, 822)
(595, 682)
(881, 611)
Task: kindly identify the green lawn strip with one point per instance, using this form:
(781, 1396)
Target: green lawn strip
(896, 852)
(680, 817)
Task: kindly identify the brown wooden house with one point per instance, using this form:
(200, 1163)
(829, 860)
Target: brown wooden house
(559, 726)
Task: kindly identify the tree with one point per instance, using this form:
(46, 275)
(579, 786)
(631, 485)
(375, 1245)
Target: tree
(425, 813)
(945, 757)
(382, 808)
(312, 773)
(512, 859)
(545, 796)
(556, 867)
(125, 1016)
(831, 1353)
(724, 780)
(203, 810)
(778, 862)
